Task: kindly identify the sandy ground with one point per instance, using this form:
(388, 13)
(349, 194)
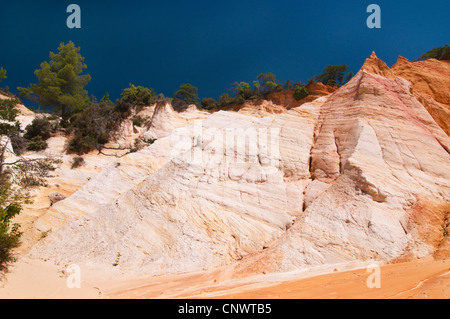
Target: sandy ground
(31, 279)
(417, 279)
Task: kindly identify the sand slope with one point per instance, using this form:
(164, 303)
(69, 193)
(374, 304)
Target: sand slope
(419, 279)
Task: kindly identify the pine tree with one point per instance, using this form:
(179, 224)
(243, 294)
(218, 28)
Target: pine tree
(2, 74)
(61, 82)
(186, 95)
(334, 73)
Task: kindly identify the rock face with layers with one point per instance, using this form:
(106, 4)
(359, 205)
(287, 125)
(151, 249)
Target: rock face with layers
(379, 150)
(160, 120)
(114, 180)
(431, 77)
(165, 120)
(335, 180)
(207, 205)
(430, 81)
(431, 86)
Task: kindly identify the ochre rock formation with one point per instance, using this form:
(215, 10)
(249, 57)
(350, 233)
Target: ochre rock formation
(342, 178)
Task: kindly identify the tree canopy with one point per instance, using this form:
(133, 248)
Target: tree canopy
(439, 53)
(266, 83)
(333, 75)
(2, 74)
(132, 97)
(60, 81)
(208, 103)
(139, 95)
(186, 95)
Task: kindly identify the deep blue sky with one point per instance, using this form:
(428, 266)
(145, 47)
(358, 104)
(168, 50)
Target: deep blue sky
(162, 44)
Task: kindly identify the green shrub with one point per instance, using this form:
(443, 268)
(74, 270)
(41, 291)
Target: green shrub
(208, 103)
(77, 162)
(300, 92)
(39, 127)
(137, 121)
(81, 144)
(135, 96)
(224, 100)
(150, 141)
(124, 108)
(139, 95)
(8, 112)
(18, 143)
(238, 100)
(37, 144)
(9, 234)
(8, 242)
(92, 127)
